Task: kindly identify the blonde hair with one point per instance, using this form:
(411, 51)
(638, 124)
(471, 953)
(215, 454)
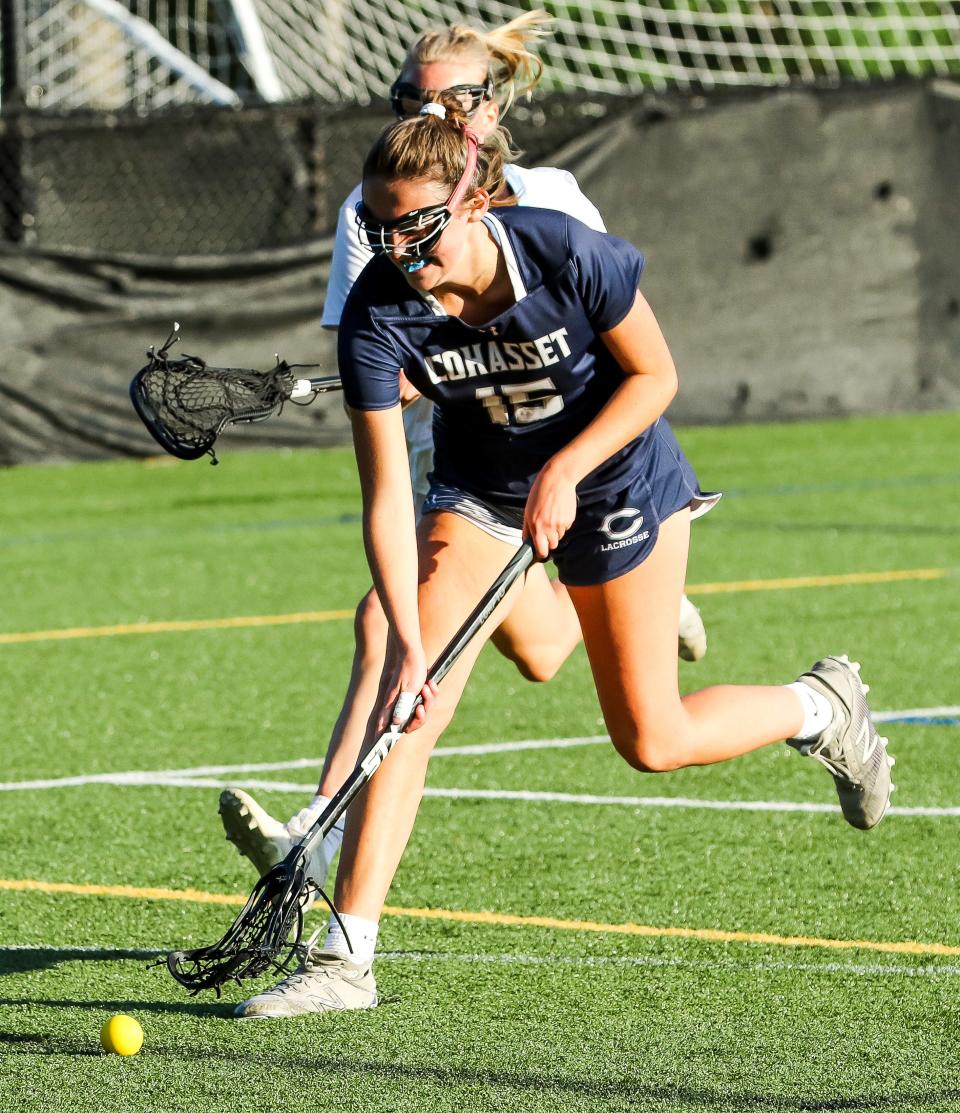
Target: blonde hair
(504, 51)
(435, 148)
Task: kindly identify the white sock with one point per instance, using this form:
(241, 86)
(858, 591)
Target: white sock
(817, 712)
(363, 938)
(300, 824)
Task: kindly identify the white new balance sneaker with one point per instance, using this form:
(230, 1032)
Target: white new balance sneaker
(850, 747)
(265, 841)
(693, 635)
(323, 983)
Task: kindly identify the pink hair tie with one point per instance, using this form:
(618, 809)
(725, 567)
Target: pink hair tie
(473, 144)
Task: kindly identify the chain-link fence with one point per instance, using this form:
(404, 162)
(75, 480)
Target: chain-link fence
(207, 181)
(177, 159)
(139, 126)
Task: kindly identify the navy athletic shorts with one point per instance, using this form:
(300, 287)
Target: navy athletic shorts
(610, 535)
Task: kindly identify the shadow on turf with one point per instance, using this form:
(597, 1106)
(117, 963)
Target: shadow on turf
(14, 1043)
(44, 958)
(17, 1044)
(191, 1008)
(33, 959)
(36, 1043)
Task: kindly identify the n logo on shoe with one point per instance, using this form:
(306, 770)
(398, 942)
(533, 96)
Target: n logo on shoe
(869, 741)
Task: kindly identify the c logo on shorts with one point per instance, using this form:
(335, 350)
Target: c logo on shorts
(632, 519)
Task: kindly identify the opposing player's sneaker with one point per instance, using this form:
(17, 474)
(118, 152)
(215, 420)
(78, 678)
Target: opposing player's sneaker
(693, 636)
(265, 841)
(254, 832)
(850, 747)
(323, 983)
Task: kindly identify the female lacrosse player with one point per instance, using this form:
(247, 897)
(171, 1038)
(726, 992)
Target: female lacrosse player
(550, 376)
(486, 71)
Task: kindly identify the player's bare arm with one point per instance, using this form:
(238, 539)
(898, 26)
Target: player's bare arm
(390, 539)
(639, 347)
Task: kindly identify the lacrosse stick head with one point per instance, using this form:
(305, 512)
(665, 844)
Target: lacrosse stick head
(186, 404)
(265, 935)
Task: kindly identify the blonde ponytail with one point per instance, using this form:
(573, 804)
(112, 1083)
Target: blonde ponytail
(434, 147)
(504, 51)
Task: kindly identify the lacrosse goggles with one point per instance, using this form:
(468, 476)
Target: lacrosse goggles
(407, 99)
(411, 237)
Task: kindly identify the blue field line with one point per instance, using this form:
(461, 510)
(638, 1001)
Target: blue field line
(926, 720)
(921, 716)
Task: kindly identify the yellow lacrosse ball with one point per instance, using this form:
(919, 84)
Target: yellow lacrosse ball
(121, 1035)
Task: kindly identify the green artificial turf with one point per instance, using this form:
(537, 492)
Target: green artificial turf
(482, 1015)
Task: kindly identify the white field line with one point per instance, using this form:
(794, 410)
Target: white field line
(529, 797)
(862, 969)
(669, 802)
(172, 780)
(65, 953)
(207, 776)
(185, 776)
(80, 952)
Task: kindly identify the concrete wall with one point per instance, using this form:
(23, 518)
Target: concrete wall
(803, 257)
(802, 246)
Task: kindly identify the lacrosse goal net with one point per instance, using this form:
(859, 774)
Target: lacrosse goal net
(146, 54)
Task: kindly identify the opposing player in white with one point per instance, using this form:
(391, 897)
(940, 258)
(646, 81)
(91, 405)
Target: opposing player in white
(486, 71)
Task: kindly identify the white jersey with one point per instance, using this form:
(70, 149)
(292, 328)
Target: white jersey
(544, 187)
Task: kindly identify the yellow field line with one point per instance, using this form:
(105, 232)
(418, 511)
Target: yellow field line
(504, 919)
(194, 896)
(709, 935)
(818, 581)
(328, 616)
(174, 627)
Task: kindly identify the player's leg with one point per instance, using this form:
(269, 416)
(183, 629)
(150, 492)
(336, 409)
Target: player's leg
(542, 628)
(265, 840)
(629, 632)
(370, 641)
(458, 564)
(629, 627)
(260, 837)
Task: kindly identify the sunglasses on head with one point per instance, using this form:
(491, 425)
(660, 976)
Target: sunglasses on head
(406, 99)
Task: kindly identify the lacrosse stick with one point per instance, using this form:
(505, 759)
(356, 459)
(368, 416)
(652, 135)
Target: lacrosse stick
(271, 922)
(186, 404)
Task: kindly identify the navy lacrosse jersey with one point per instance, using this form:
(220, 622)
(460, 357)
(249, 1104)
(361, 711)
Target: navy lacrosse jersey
(511, 392)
